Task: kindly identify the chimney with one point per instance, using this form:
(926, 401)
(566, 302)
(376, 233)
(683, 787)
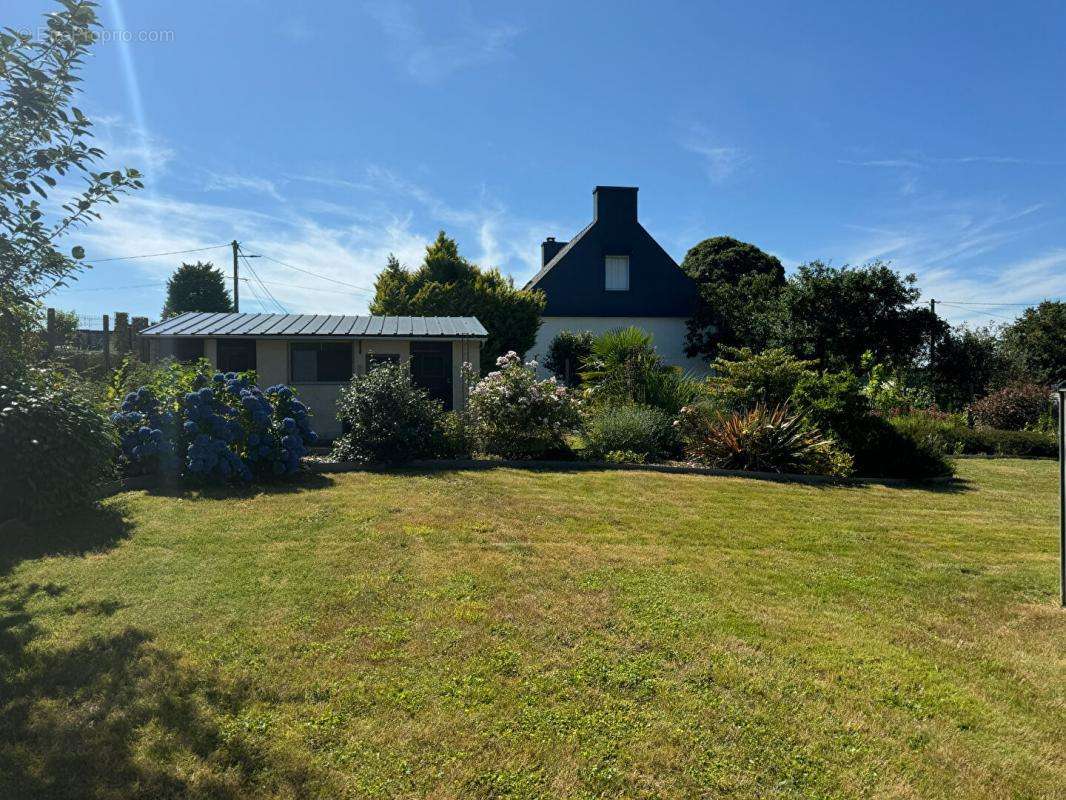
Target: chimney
(549, 249)
(614, 204)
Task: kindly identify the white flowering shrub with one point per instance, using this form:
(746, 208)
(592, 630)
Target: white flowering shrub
(512, 414)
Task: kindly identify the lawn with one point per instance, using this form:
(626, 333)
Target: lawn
(525, 633)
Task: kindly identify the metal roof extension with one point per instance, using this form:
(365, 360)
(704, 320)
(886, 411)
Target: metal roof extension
(204, 324)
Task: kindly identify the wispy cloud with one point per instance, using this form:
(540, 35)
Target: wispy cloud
(341, 226)
(720, 161)
(431, 59)
(224, 182)
(965, 252)
(128, 145)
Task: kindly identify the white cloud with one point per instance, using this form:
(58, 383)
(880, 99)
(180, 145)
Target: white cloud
(430, 60)
(719, 161)
(128, 145)
(964, 254)
(218, 182)
(342, 227)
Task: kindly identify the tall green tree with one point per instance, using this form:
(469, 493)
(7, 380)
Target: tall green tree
(737, 302)
(967, 364)
(836, 314)
(392, 289)
(45, 148)
(196, 287)
(1036, 342)
(446, 284)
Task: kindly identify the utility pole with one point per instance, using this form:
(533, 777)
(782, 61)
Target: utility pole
(236, 289)
(932, 332)
(1061, 398)
(932, 345)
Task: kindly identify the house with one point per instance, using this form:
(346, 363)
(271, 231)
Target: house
(317, 354)
(614, 274)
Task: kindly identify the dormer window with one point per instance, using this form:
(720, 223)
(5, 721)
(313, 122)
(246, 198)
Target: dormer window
(617, 273)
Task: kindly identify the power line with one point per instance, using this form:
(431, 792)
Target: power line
(256, 297)
(269, 294)
(992, 304)
(980, 311)
(114, 288)
(156, 255)
(315, 274)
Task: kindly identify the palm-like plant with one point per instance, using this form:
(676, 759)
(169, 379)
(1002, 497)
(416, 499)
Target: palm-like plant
(762, 439)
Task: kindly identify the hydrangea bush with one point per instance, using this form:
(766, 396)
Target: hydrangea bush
(226, 428)
(146, 433)
(512, 414)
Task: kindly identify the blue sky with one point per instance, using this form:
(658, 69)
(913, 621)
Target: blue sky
(327, 135)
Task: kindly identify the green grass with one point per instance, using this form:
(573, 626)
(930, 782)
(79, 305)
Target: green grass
(524, 633)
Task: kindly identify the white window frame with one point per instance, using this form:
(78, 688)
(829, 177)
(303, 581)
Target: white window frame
(608, 262)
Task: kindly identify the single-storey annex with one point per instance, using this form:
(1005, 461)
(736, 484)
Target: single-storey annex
(318, 353)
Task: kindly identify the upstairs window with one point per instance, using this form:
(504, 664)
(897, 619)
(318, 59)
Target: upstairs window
(321, 362)
(617, 268)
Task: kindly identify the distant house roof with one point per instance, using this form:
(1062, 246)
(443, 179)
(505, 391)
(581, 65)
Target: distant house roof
(201, 323)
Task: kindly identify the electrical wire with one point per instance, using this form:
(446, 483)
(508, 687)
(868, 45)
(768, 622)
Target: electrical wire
(248, 265)
(315, 274)
(980, 311)
(114, 288)
(255, 295)
(156, 255)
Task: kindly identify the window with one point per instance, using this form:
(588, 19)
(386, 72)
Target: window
(186, 350)
(320, 362)
(617, 273)
(374, 360)
(236, 355)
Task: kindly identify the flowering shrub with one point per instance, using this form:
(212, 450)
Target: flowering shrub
(512, 414)
(1012, 408)
(224, 429)
(59, 451)
(387, 418)
(146, 434)
(761, 439)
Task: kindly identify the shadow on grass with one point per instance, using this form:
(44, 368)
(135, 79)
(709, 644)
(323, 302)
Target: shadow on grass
(89, 530)
(308, 482)
(431, 469)
(118, 716)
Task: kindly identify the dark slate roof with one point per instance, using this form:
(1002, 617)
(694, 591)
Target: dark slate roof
(532, 284)
(202, 323)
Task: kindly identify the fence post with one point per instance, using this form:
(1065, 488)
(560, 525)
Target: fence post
(107, 346)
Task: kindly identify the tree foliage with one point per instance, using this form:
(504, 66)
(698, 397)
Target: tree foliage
(837, 314)
(967, 363)
(196, 287)
(566, 354)
(446, 284)
(1036, 343)
(739, 286)
(44, 149)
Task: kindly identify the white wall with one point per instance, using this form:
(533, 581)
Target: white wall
(272, 364)
(668, 333)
